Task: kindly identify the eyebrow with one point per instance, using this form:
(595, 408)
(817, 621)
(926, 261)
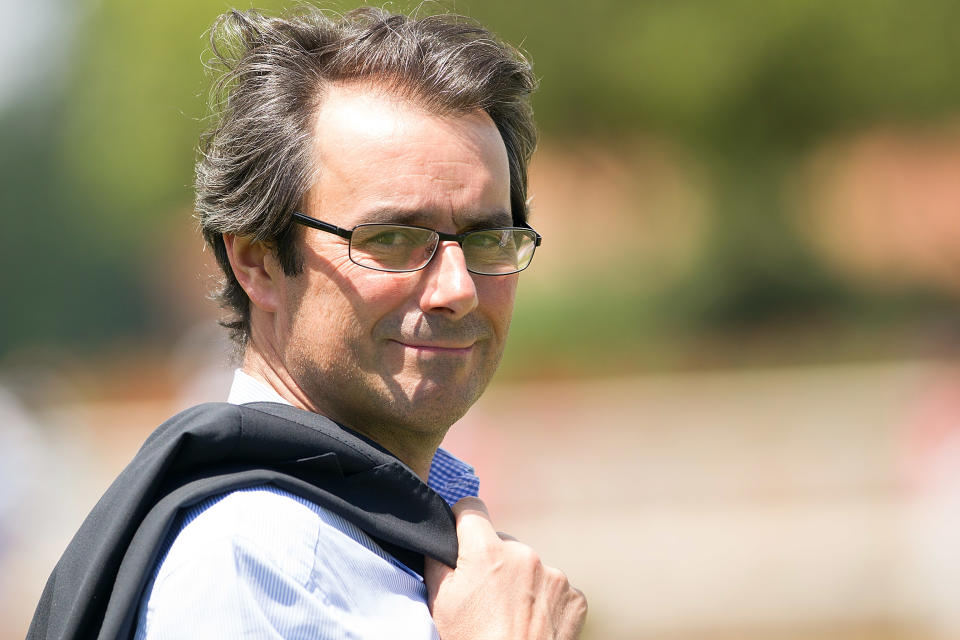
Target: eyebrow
(420, 218)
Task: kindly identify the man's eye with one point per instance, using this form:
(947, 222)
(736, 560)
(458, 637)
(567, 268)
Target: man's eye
(485, 240)
(489, 240)
(391, 238)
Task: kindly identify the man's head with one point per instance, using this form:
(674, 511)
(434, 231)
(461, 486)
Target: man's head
(256, 162)
(374, 118)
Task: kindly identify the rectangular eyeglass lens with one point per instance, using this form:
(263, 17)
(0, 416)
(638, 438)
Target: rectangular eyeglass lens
(393, 247)
(498, 250)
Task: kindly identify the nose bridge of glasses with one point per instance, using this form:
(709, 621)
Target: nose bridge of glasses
(451, 237)
(448, 241)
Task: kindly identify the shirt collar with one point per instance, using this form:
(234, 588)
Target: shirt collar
(246, 389)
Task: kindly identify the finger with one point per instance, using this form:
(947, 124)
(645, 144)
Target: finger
(475, 532)
(470, 503)
(575, 614)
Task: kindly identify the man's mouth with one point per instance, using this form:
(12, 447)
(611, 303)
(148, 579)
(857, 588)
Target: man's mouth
(450, 348)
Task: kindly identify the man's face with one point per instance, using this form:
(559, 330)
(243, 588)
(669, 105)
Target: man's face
(410, 351)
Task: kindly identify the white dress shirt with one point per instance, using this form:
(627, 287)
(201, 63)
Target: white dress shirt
(263, 563)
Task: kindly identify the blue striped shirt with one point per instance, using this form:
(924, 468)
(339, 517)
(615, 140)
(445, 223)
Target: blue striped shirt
(263, 563)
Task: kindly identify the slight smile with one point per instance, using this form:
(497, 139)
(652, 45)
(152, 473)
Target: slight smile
(437, 348)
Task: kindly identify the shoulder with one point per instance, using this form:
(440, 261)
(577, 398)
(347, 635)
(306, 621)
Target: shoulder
(261, 555)
(263, 525)
(257, 533)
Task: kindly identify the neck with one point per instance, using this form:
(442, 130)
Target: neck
(415, 450)
(269, 371)
(416, 453)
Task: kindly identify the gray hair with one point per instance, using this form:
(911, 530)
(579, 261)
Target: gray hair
(256, 165)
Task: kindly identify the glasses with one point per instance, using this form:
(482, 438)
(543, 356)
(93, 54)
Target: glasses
(399, 247)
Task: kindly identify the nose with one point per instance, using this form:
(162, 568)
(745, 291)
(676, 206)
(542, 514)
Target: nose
(449, 288)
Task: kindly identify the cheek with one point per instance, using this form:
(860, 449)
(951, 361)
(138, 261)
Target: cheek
(365, 299)
(372, 294)
(497, 294)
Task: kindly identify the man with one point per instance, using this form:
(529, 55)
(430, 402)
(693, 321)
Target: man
(364, 192)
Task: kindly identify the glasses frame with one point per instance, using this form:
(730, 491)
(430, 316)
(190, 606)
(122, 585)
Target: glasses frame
(320, 225)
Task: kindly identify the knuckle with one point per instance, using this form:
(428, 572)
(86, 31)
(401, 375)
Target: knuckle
(580, 601)
(557, 577)
(523, 555)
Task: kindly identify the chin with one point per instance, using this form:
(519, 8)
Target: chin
(427, 422)
(428, 405)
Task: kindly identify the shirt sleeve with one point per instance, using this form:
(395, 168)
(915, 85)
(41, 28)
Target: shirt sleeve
(263, 563)
(230, 589)
(219, 580)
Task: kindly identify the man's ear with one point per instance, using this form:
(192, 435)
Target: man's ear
(256, 269)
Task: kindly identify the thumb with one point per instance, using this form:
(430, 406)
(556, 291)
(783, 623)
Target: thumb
(435, 573)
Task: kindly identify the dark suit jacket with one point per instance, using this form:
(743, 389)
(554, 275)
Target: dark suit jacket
(210, 449)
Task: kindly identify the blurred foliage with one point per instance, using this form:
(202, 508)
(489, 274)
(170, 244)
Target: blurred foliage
(735, 74)
(97, 170)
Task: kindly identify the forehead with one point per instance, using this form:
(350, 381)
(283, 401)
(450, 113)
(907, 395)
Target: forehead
(378, 156)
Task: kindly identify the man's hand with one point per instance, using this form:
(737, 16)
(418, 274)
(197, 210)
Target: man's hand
(500, 588)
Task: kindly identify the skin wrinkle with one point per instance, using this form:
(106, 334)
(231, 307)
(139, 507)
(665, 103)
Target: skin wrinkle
(463, 220)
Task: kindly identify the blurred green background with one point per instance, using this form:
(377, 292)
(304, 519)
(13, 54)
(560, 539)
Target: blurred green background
(701, 245)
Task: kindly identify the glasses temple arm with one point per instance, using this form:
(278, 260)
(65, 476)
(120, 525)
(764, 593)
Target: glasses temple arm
(313, 223)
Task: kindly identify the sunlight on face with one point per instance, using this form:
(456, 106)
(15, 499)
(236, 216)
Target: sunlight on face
(413, 350)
